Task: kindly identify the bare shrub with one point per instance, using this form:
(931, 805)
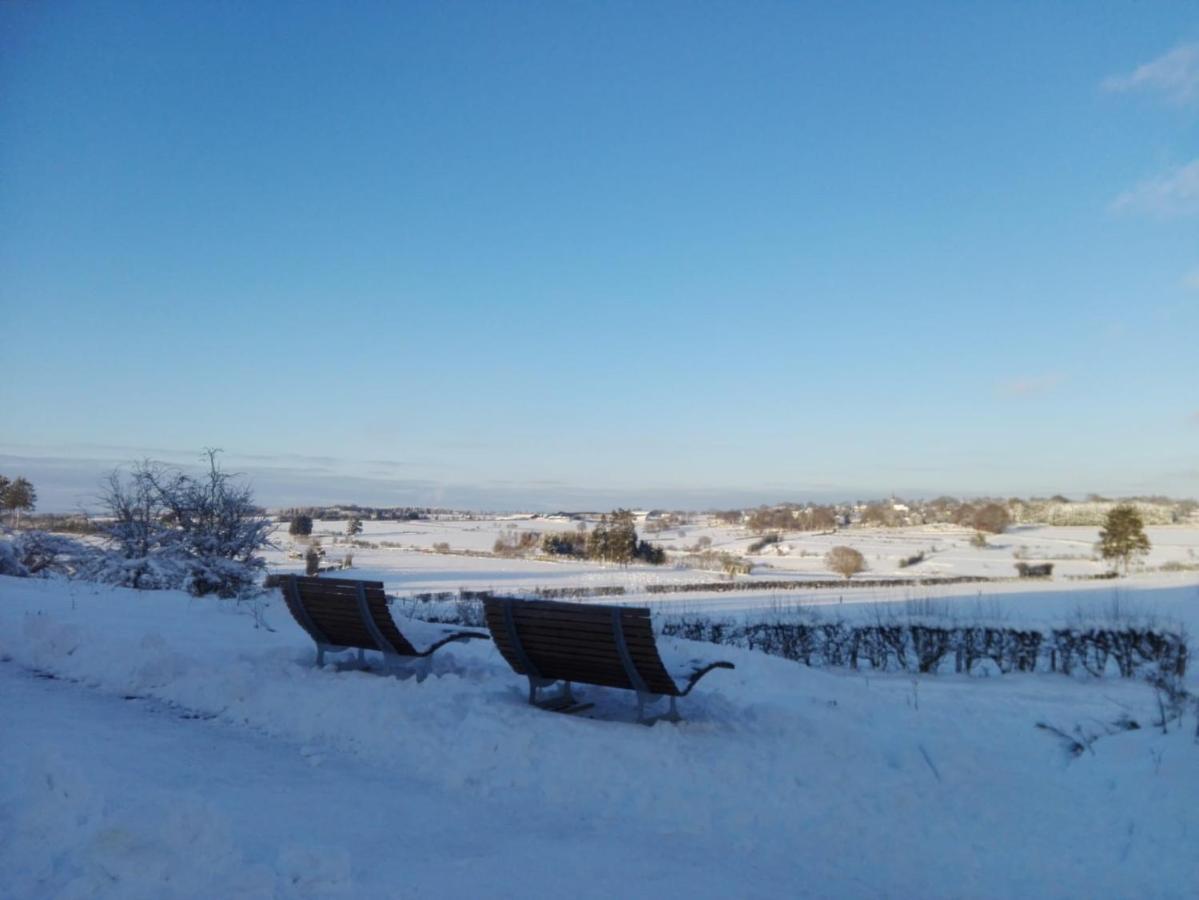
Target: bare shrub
(167, 529)
(715, 561)
(39, 554)
(845, 561)
(516, 543)
(992, 518)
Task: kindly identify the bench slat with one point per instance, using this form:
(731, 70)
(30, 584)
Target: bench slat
(608, 656)
(583, 610)
(558, 636)
(326, 581)
(566, 618)
(563, 629)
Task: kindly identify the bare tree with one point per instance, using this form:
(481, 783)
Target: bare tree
(822, 518)
(136, 530)
(169, 529)
(845, 561)
(993, 517)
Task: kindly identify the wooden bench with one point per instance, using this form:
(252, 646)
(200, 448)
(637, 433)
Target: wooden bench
(551, 642)
(343, 614)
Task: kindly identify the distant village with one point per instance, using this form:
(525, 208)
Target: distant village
(892, 512)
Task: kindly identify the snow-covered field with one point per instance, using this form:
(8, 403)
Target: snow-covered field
(406, 549)
(156, 745)
(403, 560)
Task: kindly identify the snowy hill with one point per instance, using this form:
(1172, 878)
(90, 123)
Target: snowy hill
(172, 749)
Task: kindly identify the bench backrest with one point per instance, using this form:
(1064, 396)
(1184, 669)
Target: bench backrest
(343, 612)
(587, 643)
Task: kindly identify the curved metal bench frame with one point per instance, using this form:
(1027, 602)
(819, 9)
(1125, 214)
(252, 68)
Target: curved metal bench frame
(564, 699)
(401, 661)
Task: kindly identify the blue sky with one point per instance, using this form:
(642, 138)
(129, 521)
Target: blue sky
(545, 254)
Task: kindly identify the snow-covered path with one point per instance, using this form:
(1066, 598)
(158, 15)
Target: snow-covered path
(133, 798)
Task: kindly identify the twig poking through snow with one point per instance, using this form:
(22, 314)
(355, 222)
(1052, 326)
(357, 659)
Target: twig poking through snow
(1073, 746)
(931, 765)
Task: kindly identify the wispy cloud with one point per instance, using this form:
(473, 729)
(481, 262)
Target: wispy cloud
(1175, 193)
(1191, 280)
(1174, 74)
(1030, 386)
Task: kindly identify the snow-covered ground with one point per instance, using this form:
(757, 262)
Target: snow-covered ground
(179, 751)
(403, 553)
(407, 565)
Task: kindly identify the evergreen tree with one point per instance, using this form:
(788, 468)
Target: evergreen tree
(622, 537)
(19, 496)
(1123, 535)
(597, 543)
(647, 552)
(354, 526)
(614, 539)
(300, 525)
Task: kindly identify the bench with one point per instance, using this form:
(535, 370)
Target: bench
(342, 614)
(551, 642)
(1041, 570)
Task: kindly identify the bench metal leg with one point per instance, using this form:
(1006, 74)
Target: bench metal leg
(322, 649)
(563, 695)
(562, 700)
(400, 666)
(645, 699)
(405, 667)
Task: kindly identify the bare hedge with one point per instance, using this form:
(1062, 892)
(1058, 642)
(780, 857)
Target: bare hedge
(909, 647)
(808, 584)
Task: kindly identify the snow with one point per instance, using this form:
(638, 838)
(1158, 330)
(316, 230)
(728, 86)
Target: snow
(402, 555)
(1169, 598)
(238, 768)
